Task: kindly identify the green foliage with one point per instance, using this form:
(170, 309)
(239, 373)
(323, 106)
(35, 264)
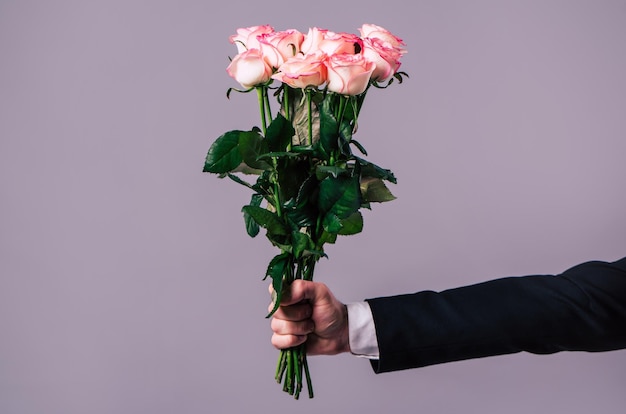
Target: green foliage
(224, 155)
(352, 224)
(329, 127)
(279, 134)
(251, 147)
(374, 190)
(266, 219)
(308, 190)
(252, 227)
(309, 186)
(276, 270)
(339, 196)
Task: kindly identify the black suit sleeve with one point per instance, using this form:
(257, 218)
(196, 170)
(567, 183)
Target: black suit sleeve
(582, 309)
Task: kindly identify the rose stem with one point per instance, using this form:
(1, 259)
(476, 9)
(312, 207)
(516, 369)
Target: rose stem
(309, 385)
(310, 118)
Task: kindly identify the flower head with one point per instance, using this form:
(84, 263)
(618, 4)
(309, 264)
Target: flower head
(349, 74)
(247, 37)
(287, 43)
(376, 32)
(301, 71)
(249, 68)
(386, 58)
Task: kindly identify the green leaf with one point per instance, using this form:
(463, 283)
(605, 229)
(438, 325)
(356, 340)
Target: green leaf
(323, 171)
(252, 227)
(329, 129)
(352, 225)
(224, 155)
(239, 180)
(340, 196)
(308, 190)
(276, 270)
(301, 242)
(263, 183)
(266, 219)
(292, 173)
(252, 146)
(304, 215)
(345, 137)
(374, 190)
(359, 146)
(374, 171)
(301, 210)
(327, 237)
(351, 110)
(279, 133)
(331, 223)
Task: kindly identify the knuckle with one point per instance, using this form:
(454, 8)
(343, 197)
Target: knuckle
(287, 341)
(277, 325)
(277, 341)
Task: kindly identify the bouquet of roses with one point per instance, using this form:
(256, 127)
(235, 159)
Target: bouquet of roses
(310, 184)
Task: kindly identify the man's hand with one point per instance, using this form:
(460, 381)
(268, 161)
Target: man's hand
(309, 312)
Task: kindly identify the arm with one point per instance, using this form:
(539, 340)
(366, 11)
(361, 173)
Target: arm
(583, 309)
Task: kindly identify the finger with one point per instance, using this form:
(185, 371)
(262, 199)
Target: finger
(297, 312)
(283, 327)
(287, 341)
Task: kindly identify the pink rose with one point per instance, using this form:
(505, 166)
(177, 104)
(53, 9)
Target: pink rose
(271, 55)
(337, 43)
(301, 71)
(348, 74)
(385, 57)
(249, 68)
(287, 42)
(376, 32)
(246, 38)
(312, 40)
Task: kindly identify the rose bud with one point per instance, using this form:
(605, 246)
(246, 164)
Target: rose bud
(301, 71)
(246, 37)
(337, 43)
(348, 74)
(376, 32)
(312, 40)
(287, 42)
(249, 68)
(385, 57)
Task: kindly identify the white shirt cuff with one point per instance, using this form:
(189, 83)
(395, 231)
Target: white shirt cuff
(362, 332)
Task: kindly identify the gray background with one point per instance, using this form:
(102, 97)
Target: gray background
(128, 284)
